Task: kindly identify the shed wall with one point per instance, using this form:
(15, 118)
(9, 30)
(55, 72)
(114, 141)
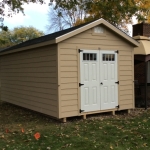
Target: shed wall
(29, 79)
(69, 68)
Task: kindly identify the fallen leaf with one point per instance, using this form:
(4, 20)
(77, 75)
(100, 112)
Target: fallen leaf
(7, 130)
(111, 147)
(145, 144)
(37, 135)
(45, 136)
(144, 120)
(67, 136)
(22, 130)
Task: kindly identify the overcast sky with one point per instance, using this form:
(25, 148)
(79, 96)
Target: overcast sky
(36, 15)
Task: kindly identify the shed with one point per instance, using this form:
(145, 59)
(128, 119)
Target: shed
(81, 70)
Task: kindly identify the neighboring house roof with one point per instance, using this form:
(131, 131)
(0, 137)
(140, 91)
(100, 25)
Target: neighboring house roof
(144, 47)
(67, 33)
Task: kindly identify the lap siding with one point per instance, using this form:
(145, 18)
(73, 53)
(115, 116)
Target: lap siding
(126, 96)
(69, 82)
(29, 79)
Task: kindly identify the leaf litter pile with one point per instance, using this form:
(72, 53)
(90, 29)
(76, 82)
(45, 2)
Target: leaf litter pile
(22, 129)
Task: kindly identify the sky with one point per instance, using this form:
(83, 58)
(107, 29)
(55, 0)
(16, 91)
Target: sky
(36, 15)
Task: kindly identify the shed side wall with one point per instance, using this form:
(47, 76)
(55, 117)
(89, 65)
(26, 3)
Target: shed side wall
(29, 79)
(69, 73)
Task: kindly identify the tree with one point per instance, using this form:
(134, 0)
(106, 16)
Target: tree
(13, 7)
(117, 12)
(18, 35)
(64, 16)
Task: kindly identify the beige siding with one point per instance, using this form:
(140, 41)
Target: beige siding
(29, 79)
(69, 72)
(126, 93)
(69, 82)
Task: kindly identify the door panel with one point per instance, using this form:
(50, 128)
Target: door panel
(94, 95)
(86, 72)
(112, 93)
(109, 89)
(105, 92)
(112, 68)
(89, 69)
(105, 70)
(94, 72)
(86, 97)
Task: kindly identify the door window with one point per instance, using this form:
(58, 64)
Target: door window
(89, 56)
(108, 57)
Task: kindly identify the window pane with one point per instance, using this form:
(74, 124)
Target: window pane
(103, 57)
(95, 58)
(91, 56)
(113, 57)
(109, 55)
(87, 56)
(84, 56)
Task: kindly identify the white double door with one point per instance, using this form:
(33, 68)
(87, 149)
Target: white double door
(98, 74)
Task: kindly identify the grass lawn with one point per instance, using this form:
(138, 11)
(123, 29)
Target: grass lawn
(99, 132)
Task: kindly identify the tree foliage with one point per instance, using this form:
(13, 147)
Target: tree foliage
(144, 6)
(18, 35)
(117, 12)
(10, 7)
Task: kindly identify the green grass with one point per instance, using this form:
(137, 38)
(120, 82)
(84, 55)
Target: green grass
(98, 132)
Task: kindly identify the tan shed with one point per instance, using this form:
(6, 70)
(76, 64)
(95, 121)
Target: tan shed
(82, 70)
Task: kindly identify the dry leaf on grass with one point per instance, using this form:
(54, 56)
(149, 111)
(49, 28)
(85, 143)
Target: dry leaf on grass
(37, 135)
(111, 147)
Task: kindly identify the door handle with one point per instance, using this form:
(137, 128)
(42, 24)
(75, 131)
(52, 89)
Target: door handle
(101, 83)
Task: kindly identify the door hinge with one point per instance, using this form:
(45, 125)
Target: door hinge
(117, 82)
(80, 84)
(81, 111)
(117, 52)
(117, 107)
(79, 50)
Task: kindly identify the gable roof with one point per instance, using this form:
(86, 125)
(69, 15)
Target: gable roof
(67, 33)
